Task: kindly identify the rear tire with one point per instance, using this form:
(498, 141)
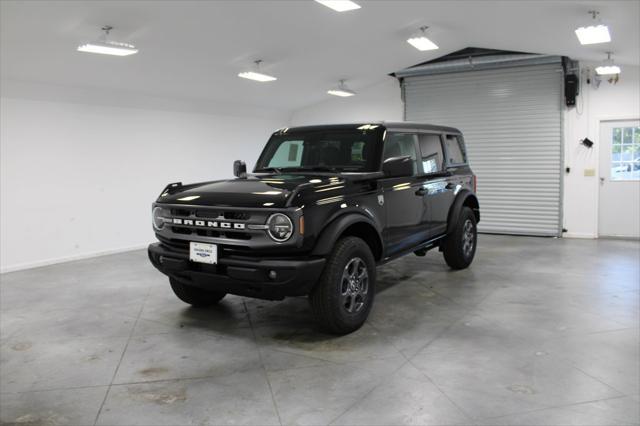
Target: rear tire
(195, 296)
(459, 247)
(343, 297)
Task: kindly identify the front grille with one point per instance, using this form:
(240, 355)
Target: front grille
(179, 245)
(181, 212)
(237, 216)
(213, 222)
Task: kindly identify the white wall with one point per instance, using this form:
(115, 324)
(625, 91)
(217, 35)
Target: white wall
(78, 179)
(580, 205)
(608, 102)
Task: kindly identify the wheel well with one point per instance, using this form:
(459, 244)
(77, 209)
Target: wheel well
(367, 233)
(472, 203)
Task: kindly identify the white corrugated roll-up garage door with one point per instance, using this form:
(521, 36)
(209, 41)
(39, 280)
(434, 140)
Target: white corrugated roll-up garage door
(511, 119)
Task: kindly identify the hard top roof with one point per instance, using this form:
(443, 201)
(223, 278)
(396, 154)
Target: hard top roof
(391, 125)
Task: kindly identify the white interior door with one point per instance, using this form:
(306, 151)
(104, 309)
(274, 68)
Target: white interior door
(619, 214)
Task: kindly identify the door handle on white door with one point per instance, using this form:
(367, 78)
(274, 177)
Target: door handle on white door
(601, 180)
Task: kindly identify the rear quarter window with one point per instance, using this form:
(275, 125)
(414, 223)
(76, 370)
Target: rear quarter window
(455, 150)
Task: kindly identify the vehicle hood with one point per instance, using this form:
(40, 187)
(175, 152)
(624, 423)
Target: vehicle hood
(274, 191)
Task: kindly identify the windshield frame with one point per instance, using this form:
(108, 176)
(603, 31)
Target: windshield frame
(375, 135)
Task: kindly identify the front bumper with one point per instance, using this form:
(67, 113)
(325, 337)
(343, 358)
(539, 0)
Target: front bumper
(240, 275)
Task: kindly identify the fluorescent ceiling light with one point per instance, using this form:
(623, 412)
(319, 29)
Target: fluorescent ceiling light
(593, 35)
(108, 47)
(421, 42)
(342, 90)
(608, 67)
(607, 70)
(339, 5)
(341, 93)
(257, 75)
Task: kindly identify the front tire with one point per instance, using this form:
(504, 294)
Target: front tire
(195, 296)
(459, 247)
(343, 297)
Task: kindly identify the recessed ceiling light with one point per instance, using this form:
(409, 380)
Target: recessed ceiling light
(608, 67)
(342, 90)
(108, 47)
(257, 75)
(421, 42)
(593, 34)
(339, 5)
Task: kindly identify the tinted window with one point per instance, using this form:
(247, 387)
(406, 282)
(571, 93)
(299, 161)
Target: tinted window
(400, 145)
(431, 152)
(288, 154)
(334, 150)
(455, 153)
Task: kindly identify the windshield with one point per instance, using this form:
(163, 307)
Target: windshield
(344, 150)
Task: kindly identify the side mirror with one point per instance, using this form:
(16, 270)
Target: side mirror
(398, 167)
(240, 169)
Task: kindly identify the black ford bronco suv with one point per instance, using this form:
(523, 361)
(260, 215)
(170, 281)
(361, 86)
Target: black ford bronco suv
(324, 206)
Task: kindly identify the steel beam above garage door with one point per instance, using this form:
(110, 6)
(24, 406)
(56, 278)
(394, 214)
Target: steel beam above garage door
(511, 117)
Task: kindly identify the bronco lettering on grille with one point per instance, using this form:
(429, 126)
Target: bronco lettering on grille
(208, 223)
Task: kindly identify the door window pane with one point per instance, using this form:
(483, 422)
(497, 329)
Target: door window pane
(431, 152)
(617, 136)
(400, 145)
(625, 153)
(455, 153)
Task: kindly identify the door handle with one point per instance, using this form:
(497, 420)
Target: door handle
(601, 180)
(421, 191)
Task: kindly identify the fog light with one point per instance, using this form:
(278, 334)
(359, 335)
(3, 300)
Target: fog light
(273, 275)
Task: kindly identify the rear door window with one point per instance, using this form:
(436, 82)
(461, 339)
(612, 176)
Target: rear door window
(455, 150)
(431, 152)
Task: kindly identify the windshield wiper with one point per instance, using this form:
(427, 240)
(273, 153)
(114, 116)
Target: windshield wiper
(320, 169)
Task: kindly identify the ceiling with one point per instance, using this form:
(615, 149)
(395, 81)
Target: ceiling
(194, 49)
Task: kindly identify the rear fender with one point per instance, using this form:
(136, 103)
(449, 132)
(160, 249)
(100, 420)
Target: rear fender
(465, 198)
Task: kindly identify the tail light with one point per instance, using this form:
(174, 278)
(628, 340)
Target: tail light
(475, 183)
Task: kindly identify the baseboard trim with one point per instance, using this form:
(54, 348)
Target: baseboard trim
(619, 237)
(576, 235)
(65, 259)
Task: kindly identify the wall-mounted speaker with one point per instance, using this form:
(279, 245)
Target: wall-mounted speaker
(570, 89)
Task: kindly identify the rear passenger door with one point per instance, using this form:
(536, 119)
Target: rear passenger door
(435, 186)
(456, 177)
(402, 197)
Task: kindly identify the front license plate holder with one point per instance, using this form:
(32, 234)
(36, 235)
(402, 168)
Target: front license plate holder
(203, 253)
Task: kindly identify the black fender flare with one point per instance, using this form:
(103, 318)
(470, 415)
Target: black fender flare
(464, 197)
(336, 227)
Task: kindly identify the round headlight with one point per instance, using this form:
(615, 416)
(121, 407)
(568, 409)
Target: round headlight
(158, 218)
(279, 227)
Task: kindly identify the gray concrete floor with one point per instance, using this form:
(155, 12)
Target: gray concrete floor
(537, 331)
